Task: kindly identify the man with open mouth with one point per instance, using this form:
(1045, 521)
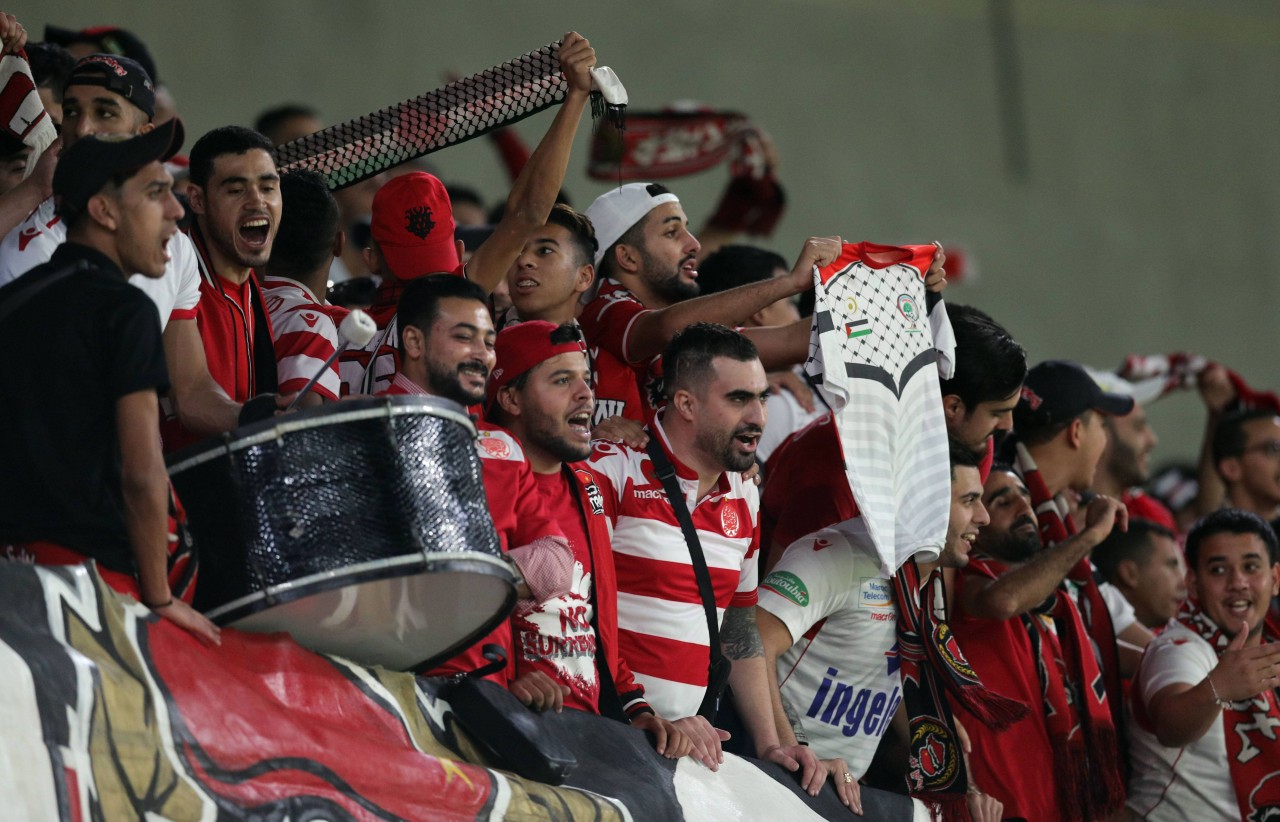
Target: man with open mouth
(1204, 703)
(541, 391)
(235, 196)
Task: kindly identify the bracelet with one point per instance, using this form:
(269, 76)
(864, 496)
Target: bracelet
(1219, 701)
(164, 604)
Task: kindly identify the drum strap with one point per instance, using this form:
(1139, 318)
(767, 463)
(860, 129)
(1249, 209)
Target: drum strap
(718, 668)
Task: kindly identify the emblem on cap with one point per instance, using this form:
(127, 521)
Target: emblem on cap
(418, 221)
(1032, 398)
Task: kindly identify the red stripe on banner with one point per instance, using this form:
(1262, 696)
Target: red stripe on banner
(334, 741)
(666, 658)
(673, 581)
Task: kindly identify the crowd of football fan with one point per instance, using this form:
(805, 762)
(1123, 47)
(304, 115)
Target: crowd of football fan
(592, 346)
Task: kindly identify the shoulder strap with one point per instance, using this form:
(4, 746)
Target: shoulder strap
(666, 473)
(14, 303)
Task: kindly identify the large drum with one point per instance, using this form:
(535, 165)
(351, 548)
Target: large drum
(360, 528)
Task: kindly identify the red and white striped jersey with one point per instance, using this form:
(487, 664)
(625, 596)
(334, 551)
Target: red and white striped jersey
(662, 626)
(305, 334)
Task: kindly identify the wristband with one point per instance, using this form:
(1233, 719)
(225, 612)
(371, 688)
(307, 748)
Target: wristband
(256, 409)
(164, 604)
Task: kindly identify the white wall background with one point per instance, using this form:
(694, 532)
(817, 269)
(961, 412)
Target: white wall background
(1143, 220)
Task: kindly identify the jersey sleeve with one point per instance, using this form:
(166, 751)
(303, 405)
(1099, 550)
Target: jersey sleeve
(188, 273)
(607, 321)
(607, 465)
(812, 580)
(304, 340)
(1176, 657)
(1120, 609)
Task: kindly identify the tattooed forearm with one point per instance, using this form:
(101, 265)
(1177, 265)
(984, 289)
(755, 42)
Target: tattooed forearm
(739, 636)
(793, 717)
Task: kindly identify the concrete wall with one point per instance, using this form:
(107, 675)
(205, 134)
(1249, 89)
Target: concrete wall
(1128, 204)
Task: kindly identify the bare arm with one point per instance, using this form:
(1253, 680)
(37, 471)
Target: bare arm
(777, 639)
(145, 487)
(1029, 584)
(201, 404)
(781, 346)
(1217, 393)
(535, 190)
(1183, 713)
(652, 330)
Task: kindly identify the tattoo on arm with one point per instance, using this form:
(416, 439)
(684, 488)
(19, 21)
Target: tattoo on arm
(739, 636)
(793, 716)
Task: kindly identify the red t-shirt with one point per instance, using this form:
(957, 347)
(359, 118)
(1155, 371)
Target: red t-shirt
(607, 322)
(557, 636)
(1015, 765)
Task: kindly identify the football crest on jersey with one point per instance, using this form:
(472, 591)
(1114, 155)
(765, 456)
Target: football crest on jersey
(496, 445)
(729, 521)
(907, 307)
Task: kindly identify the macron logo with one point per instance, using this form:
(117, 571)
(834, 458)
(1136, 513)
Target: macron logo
(26, 235)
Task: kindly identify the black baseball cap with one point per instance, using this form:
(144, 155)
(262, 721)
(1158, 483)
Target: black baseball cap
(94, 160)
(122, 75)
(1057, 391)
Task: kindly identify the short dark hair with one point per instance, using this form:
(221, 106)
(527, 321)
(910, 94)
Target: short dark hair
(1229, 521)
(308, 225)
(1039, 436)
(420, 301)
(989, 364)
(580, 230)
(633, 236)
(1134, 545)
(962, 456)
(51, 67)
(687, 360)
(733, 265)
(219, 142)
(271, 120)
(1229, 438)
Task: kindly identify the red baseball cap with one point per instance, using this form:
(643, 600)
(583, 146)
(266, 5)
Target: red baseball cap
(412, 221)
(520, 347)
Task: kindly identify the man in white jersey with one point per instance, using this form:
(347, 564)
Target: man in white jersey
(829, 624)
(1202, 728)
(107, 94)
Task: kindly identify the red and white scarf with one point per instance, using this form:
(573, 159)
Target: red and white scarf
(1081, 701)
(22, 114)
(1248, 726)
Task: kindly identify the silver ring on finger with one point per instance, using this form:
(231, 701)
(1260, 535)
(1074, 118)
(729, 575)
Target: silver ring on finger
(848, 777)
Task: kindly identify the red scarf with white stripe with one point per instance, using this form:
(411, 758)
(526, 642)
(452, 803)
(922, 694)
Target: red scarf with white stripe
(1253, 748)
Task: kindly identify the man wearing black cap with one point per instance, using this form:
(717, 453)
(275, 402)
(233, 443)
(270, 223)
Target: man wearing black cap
(84, 478)
(109, 94)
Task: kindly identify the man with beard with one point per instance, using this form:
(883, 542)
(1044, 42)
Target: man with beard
(446, 350)
(541, 390)
(647, 262)
(1145, 564)
(716, 391)
(1205, 706)
(1125, 465)
(1021, 632)
(235, 196)
(829, 624)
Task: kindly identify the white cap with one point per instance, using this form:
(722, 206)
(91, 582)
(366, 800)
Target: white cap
(1142, 391)
(618, 209)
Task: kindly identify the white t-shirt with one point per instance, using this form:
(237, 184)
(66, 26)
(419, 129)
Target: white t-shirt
(32, 242)
(841, 676)
(1193, 782)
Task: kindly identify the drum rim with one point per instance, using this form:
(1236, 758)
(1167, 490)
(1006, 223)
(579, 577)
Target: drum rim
(354, 410)
(370, 570)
